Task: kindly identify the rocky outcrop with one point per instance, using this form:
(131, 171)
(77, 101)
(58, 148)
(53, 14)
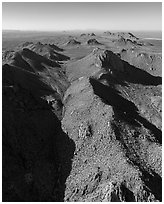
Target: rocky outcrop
(93, 42)
(92, 34)
(127, 42)
(88, 34)
(125, 35)
(73, 42)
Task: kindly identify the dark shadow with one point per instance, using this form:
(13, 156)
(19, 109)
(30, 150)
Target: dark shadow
(139, 76)
(156, 132)
(37, 61)
(65, 148)
(111, 96)
(123, 116)
(27, 80)
(129, 73)
(58, 151)
(124, 108)
(154, 183)
(33, 141)
(59, 57)
(39, 84)
(55, 47)
(128, 195)
(20, 62)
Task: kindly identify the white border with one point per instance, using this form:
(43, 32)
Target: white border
(1, 78)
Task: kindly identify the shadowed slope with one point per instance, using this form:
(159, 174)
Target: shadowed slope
(118, 146)
(36, 152)
(127, 110)
(150, 62)
(27, 59)
(47, 50)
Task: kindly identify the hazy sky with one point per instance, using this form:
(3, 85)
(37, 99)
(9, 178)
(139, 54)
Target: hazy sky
(71, 16)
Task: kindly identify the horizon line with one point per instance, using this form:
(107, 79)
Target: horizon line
(65, 30)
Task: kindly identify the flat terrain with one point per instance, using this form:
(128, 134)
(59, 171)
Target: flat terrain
(82, 117)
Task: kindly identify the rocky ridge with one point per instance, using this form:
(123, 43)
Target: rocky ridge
(84, 134)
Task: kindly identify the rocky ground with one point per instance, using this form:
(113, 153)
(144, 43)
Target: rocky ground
(82, 120)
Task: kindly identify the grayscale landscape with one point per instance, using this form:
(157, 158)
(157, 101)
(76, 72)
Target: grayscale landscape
(81, 107)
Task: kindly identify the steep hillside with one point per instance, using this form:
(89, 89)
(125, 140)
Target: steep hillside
(110, 117)
(34, 164)
(118, 152)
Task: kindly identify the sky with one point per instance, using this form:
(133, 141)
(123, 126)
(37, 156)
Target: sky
(53, 16)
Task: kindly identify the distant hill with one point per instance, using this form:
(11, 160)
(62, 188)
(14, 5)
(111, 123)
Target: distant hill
(73, 42)
(93, 42)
